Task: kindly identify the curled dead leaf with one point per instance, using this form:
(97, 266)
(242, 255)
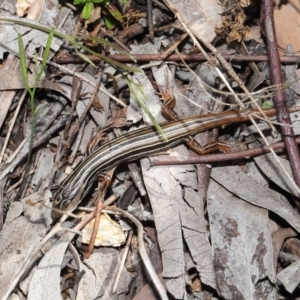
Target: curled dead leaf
(22, 7)
(109, 232)
(244, 3)
(232, 27)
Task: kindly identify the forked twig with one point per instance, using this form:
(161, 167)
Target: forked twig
(142, 249)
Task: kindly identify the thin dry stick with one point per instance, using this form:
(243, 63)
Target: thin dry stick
(104, 185)
(12, 124)
(142, 249)
(187, 57)
(150, 19)
(173, 47)
(217, 157)
(126, 249)
(117, 41)
(106, 203)
(93, 237)
(279, 99)
(76, 143)
(17, 184)
(111, 200)
(75, 96)
(174, 57)
(93, 96)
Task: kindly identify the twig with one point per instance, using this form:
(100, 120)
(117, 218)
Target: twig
(150, 19)
(142, 249)
(209, 158)
(8, 65)
(14, 186)
(12, 124)
(117, 41)
(93, 96)
(174, 46)
(279, 99)
(130, 235)
(176, 57)
(105, 181)
(75, 95)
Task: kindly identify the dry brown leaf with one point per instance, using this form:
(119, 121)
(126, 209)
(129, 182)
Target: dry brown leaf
(22, 7)
(287, 24)
(244, 3)
(232, 27)
(97, 104)
(109, 232)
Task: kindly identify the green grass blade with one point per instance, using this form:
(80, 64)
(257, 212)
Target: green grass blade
(73, 41)
(85, 58)
(106, 43)
(46, 53)
(139, 96)
(23, 63)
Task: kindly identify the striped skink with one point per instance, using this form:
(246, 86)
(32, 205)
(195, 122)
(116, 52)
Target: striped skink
(137, 144)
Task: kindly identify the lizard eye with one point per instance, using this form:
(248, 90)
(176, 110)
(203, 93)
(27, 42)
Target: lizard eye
(64, 201)
(60, 201)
